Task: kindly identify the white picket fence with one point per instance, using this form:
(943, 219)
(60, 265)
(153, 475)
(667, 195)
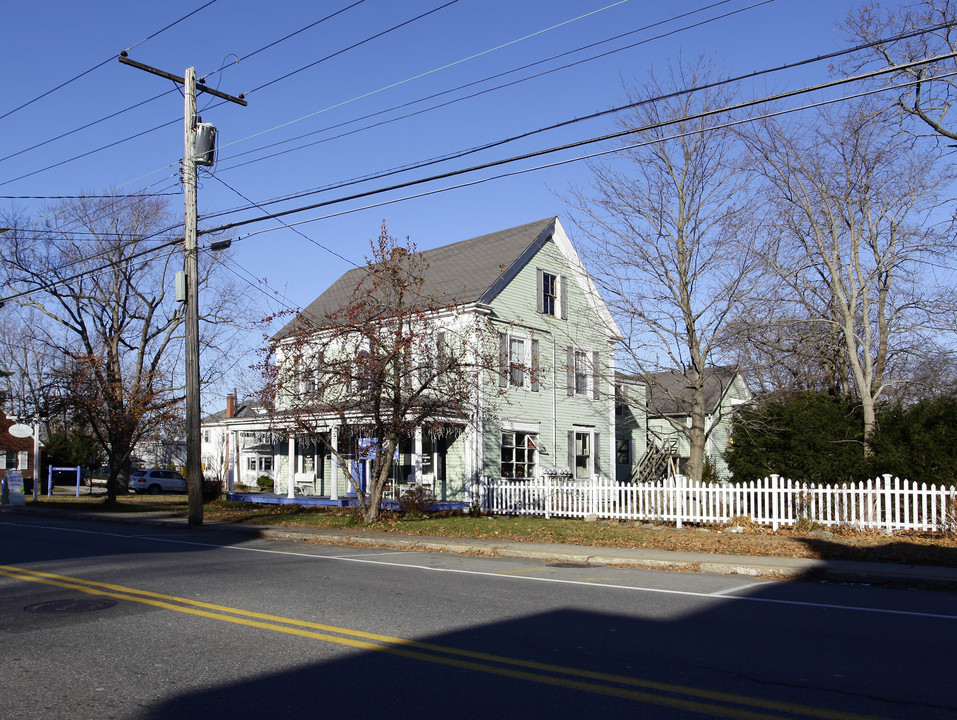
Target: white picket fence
(882, 503)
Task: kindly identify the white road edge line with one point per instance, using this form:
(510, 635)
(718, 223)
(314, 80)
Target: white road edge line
(522, 578)
(740, 587)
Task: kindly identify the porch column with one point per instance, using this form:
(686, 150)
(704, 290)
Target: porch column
(291, 479)
(231, 467)
(417, 455)
(334, 463)
(237, 468)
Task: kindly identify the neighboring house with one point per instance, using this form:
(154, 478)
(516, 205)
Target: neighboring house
(664, 402)
(237, 443)
(549, 406)
(15, 453)
(158, 453)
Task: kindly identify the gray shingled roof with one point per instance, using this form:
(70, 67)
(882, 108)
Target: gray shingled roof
(245, 409)
(670, 394)
(463, 272)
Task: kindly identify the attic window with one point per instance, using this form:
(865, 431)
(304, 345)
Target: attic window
(550, 289)
(549, 293)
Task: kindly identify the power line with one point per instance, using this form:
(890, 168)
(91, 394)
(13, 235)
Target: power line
(88, 125)
(91, 152)
(104, 62)
(298, 232)
(548, 165)
(59, 281)
(157, 97)
(593, 140)
(600, 153)
(173, 122)
(566, 123)
(83, 197)
(355, 45)
(421, 75)
(284, 38)
(493, 77)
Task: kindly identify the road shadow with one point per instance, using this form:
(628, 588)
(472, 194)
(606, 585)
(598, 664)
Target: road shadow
(738, 647)
(899, 551)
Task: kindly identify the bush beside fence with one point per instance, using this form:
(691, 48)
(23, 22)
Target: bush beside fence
(884, 503)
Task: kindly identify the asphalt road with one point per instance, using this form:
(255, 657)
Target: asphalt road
(122, 621)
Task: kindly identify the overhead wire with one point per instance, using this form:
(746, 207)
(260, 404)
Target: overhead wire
(83, 197)
(164, 94)
(298, 232)
(600, 153)
(541, 167)
(567, 146)
(423, 74)
(461, 153)
(106, 266)
(589, 141)
(493, 77)
(172, 122)
(355, 45)
(468, 151)
(104, 62)
(566, 123)
(284, 38)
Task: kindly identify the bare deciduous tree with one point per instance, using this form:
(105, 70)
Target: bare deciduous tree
(100, 273)
(851, 238)
(929, 97)
(664, 221)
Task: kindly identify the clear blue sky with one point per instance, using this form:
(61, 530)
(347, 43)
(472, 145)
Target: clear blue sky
(46, 43)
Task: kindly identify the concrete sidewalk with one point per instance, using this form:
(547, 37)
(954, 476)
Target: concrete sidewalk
(769, 567)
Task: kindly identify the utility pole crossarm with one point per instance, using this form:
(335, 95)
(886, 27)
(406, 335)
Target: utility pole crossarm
(182, 81)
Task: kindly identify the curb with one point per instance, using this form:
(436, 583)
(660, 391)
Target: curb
(775, 568)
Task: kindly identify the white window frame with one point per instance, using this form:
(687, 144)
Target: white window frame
(522, 442)
(583, 372)
(551, 301)
(23, 460)
(558, 302)
(589, 470)
(515, 366)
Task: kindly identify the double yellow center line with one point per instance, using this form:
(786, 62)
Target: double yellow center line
(707, 702)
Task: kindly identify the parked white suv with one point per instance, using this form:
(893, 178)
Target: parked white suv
(156, 481)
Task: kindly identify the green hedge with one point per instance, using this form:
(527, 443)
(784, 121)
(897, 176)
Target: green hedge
(818, 438)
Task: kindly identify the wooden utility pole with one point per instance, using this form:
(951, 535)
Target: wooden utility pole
(194, 469)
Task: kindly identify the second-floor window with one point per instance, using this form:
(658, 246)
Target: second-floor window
(581, 372)
(582, 367)
(516, 361)
(519, 363)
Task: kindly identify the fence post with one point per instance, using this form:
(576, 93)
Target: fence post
(888, 519)
(775, 500)
(679, 501)
(546, 487)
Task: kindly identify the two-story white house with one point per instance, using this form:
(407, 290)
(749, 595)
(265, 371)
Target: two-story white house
(549, 406)
(237, 444)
